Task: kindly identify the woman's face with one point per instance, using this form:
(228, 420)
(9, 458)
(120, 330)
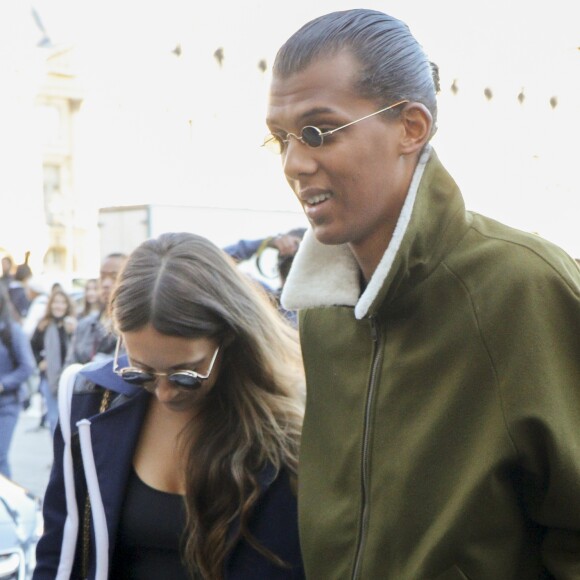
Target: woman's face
(92, 292)
(59, 306)
(153, 352)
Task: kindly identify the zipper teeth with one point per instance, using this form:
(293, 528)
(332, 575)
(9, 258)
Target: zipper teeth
(365, 452)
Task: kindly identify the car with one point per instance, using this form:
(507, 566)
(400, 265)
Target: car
(21, 526)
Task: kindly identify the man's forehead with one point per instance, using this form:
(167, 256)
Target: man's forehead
(341, 69)
(327, 82)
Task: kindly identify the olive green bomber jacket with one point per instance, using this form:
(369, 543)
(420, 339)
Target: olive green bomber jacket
(442, 429)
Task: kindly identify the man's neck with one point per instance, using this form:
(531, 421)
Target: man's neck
(369, 254)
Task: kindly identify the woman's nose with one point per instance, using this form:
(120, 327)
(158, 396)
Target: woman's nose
(164, 390)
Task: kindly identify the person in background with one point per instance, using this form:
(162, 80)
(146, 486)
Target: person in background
(38, 297)
(91, 302)
(36, 292)
(7, 273)
(442, 349)
(94, 337)
(286, 245)
(194, 434)
(50, 343)
(57, 287)
(17, 290)
(16, 365)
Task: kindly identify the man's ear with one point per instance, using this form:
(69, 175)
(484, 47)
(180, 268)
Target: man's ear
(417, 123)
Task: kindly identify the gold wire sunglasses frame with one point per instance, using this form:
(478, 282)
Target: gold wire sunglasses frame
(313, 136)
(183, 379)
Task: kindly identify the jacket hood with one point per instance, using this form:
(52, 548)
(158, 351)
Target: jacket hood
(101, 373)
(324, 276)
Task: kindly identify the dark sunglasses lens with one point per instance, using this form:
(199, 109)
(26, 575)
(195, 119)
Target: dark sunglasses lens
(184, 381)
(136, 377)
(312, 136)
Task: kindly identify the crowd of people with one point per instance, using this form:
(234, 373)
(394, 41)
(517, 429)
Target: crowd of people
(43, 330)
(423, 422)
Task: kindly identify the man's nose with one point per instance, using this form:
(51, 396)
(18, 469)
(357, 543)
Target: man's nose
(298, 159)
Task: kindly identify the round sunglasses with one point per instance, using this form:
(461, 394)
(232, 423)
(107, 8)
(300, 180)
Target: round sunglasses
(313, 136)
(183, 379)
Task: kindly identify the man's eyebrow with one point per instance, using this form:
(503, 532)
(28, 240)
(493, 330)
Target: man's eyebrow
(307, 114)
(318, 111)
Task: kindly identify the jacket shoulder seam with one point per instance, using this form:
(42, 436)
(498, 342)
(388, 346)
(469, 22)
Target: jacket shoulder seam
(529, 248)
(488, 352)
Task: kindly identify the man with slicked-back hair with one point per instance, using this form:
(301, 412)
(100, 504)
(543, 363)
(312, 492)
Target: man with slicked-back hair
(442, 348)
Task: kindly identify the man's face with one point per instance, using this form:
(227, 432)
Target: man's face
(6, 266)
(351, 188)
(110, 269)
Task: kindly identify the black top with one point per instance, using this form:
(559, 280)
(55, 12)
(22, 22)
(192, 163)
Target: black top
(37, 343)
(149, 534)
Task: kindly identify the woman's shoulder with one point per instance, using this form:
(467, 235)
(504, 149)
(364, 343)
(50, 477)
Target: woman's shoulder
(93, 389)
(274, 525)
(17, 335)
(89, 383)
(87, 324)
(101, 374)
(40, 328)
(277, 507)
(16, 329)
(278, 485)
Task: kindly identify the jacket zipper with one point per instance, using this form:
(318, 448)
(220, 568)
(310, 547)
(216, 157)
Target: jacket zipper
(376, 362)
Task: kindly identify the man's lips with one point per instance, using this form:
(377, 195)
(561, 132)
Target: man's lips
(313, 197)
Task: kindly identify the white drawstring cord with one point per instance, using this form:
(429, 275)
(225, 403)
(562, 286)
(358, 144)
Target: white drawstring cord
(71, 525)
(97, 507)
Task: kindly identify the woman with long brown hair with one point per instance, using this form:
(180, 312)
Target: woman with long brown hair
(91, 301)
(49, 343)
(189, 441)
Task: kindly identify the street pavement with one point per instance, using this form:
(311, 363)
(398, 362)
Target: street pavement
(31, 450)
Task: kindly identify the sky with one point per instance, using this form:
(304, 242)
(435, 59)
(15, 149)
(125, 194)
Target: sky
(157, 128)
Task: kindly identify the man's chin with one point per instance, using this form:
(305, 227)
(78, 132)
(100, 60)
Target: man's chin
(328, 236)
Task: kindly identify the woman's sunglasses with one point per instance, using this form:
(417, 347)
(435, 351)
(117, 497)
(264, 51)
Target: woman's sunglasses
(183, 379)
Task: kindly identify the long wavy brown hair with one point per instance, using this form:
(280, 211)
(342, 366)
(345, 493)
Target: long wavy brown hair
(183, 285)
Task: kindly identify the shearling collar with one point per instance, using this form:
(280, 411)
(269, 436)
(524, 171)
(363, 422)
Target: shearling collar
(323, 275)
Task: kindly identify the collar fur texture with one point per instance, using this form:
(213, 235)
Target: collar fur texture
(324, 275)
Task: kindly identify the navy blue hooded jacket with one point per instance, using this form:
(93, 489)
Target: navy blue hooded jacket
(113, 437)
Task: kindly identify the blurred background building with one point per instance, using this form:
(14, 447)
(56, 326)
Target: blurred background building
(57, 107)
